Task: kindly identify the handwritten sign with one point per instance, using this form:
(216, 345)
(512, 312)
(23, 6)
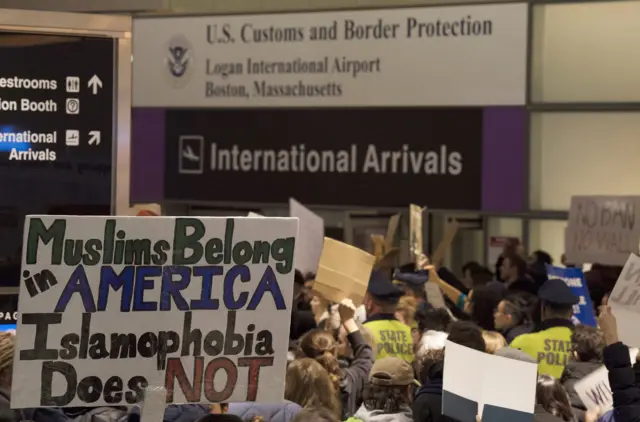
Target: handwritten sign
(111, 305)
(602, 229)
(624, 302)
(574, 277)
(594, 389)
(626, 291)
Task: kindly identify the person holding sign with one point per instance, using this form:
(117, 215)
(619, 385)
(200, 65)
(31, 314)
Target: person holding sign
(322, 346)
(550, 343)
(392, 337)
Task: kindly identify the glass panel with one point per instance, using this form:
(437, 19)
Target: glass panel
(547, 235)
(585, 52)
(582, 154)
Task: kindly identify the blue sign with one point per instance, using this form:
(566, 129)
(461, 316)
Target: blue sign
(574, 277)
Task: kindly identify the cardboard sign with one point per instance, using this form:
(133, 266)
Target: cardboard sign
(594, 389)
(495, 388)
(110, 305)
(343, 273)
(450, 232)
(384, 251)
(310, 237)
(602, 229)
(415, 230)
(582, 312)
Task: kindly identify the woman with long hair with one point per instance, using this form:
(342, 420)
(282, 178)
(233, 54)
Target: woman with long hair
(552, 401)
(323, 347)
(308, 384)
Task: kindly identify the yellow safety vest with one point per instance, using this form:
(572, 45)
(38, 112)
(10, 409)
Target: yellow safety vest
(551, 348)
(392, 338)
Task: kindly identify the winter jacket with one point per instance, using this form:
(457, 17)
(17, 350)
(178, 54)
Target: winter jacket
(280, 412)
(574, 372)
(541, 415)
(427, 403)
(354, 377)
(626, 395)
(511, 333)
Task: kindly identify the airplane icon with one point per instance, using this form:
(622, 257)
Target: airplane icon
(188, 154)
(191, 154)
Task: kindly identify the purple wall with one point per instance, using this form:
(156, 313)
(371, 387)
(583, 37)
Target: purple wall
(504, 159)
(147, 155)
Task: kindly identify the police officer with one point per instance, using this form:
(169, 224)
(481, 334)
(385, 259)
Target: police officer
(413, 282)
(550, 343)
(392, 337)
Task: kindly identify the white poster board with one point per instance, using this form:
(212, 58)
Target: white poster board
(625, 302)
(488, 380)
(200, 305)
(310, 237)
(602, 229)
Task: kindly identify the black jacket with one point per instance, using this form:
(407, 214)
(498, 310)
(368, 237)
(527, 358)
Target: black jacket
(574, 372)
(541, 415)
(511, 333)
(354, 377)
(626, 395)
(427, 403)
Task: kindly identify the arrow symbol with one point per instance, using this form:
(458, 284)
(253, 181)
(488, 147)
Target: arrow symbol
(95, 83)
(94, 137)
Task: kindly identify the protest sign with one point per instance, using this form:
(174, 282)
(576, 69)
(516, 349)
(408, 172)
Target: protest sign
(343, 273)
(624, 301)
(310, 237)
(594, 389)
(415, 231)
(492, 387)
(574, 277)
(111, 305)
(602, 229)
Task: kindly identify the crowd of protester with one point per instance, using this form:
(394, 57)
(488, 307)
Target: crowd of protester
(383, 361)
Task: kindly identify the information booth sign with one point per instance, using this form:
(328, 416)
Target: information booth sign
(65, 106)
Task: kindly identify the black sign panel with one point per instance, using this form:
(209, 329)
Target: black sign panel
(8, 312)
(353, 157)
(56, 130)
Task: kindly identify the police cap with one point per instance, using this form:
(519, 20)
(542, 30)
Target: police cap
(415, 280)
(556, 292)
(381, 287)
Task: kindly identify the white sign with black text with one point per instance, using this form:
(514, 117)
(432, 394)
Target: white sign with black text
(428, 56)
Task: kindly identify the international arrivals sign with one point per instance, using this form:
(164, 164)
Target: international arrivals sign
(363, 157)
(429, 56)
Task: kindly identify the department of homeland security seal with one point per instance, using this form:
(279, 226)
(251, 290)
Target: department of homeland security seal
(179, 61)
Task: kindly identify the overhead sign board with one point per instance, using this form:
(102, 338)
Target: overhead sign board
(56, 132)
(472, 55)
(357, 156)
